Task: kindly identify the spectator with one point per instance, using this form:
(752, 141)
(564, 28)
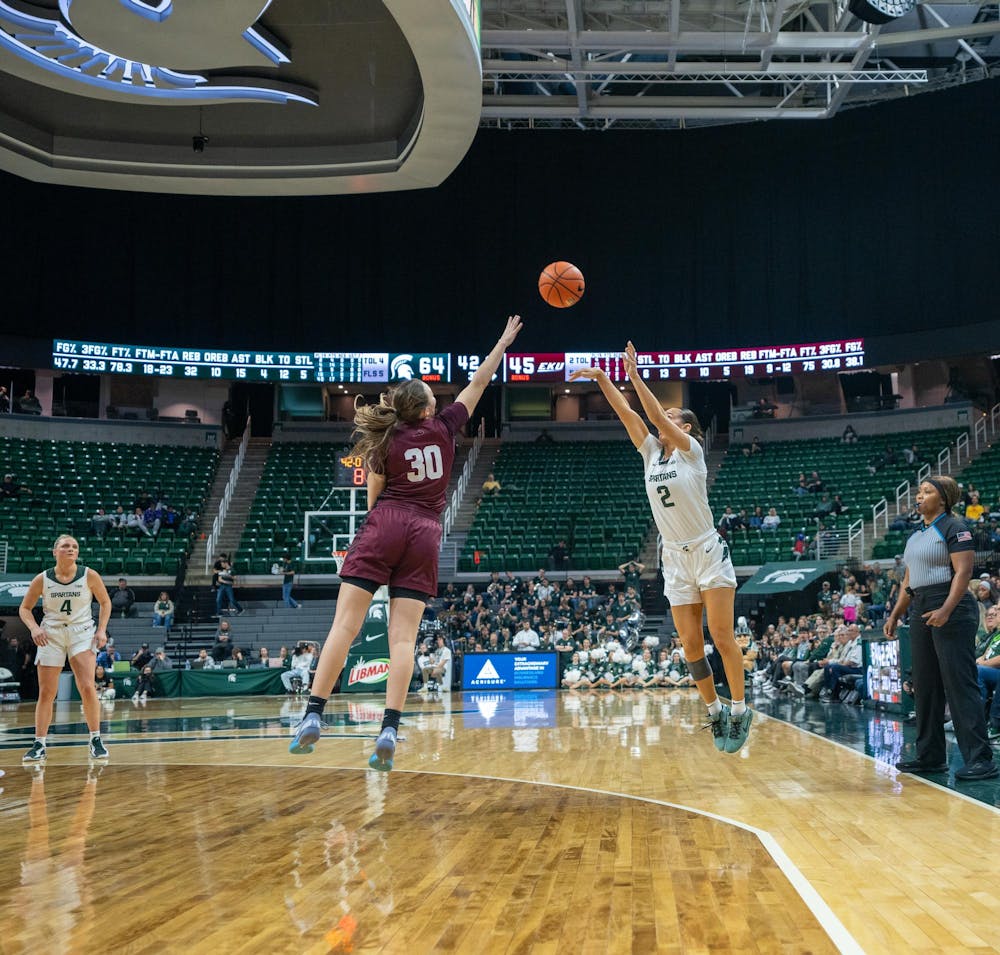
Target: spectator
(988, 670)
(223, 648)
(815, 682)
(677, 673)
(491, 486)
(559, 555)
(123, 599)
(203, 661)
(764, 409)
(911, 455)
(802, 486)
(4, 400)
(109, 655)
(438, 665)
(974, 510)
(163, 611)
(850, 436)
(28, 403)
(756, 521)
(216, 567)
(850, 604)
(263, 659)
(848, 662)
(799, 546)
(224, 594)
(729, 521)
(104, 685)
(754, 447)
(188, 524)
(632, 572)
(824, 507)
(137, 523)
(526, 638)
(144, 685)
(288, 571)
(824, 599)
(160, 661)
(121, 519)
(11, 488)
(239, 659)
(141, 658)
(302, 661)
(771, 521)
(907, 522)
(102, 522)
(815, 483)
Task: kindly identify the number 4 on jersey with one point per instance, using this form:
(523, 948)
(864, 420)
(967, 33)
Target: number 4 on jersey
(66, 607)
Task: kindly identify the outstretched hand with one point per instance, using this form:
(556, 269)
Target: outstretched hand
(590, 374)
(631, 362)
(514, 325)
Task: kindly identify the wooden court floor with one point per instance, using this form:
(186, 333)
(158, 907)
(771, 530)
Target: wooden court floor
(530, 822)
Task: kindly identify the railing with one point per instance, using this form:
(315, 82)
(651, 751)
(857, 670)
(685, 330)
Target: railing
(880, 512)
(457, 496)
(710, 435)
(962, 447)
(903, 495)
(925, 470)
(834, 545)
(994, 419)
(856, 539)
(227, 496)
(3, 557)
(944, 461)
(979, 432)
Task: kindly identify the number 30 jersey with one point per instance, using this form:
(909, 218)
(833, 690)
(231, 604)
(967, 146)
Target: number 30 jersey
(419, 459)
(67, 604)
(675, 486)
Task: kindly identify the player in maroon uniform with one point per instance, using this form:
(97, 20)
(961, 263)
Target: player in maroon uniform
(409, 451)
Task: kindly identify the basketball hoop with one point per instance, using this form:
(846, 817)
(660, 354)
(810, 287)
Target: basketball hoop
(338, 556)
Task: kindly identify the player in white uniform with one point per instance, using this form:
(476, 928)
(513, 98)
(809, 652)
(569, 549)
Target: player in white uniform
(698, 574)
(67, 630)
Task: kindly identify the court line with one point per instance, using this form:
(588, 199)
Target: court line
(834, 928)
(916, 777)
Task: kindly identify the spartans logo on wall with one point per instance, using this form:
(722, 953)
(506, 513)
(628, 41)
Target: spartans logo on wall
(368, 671)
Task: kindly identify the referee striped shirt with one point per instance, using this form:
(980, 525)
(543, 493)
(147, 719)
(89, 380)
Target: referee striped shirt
(927, 554)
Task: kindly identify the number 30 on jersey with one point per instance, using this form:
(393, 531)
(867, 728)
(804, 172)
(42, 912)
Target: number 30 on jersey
(425, 463)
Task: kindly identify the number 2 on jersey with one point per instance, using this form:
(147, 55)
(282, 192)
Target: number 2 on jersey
(664, 493)
(424, 463)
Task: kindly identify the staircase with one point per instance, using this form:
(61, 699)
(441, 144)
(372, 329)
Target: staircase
(452, 547)
(239, 506)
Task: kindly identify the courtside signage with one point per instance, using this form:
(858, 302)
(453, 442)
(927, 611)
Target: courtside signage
(510, 671)
(368, 671)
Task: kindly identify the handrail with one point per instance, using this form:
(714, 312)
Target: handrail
(856, 532)
(4, 547)
(709, 435)
(994, 419)
(944, 461)
(227, 496)
(925, 470)
(962, 444)
(979, 432)
(903, 494)
(457, 496)
(880, 512)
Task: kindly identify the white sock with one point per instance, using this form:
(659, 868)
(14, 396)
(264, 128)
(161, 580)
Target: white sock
(738, 707)
(95, 736)
(715, 707)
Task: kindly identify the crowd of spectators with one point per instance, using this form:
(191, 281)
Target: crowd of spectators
(146, 515)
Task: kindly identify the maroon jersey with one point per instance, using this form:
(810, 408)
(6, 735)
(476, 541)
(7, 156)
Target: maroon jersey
(418, 465)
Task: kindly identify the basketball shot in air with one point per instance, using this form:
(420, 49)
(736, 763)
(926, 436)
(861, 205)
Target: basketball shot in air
(698, 574)
(561, 284)
(408, 450)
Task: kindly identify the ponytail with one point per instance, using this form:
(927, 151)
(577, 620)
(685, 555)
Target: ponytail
(374, 425)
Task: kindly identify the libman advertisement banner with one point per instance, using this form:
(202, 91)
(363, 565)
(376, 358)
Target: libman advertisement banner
(368, 659)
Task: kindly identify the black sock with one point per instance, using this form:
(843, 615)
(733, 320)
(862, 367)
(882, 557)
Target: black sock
(391, 718)
(315, 705)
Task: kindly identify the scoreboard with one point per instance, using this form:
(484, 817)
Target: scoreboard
(432, 367)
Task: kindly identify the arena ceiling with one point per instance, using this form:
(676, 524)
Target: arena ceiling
(597, 64)
(301, 97)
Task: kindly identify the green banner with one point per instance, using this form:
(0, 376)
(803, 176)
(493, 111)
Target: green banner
(13, 587)
(785, 576)
(231, 682)
(367, 666)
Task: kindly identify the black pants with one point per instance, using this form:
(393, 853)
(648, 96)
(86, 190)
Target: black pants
(944, 669)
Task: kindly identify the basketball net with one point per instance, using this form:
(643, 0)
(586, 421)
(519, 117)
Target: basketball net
(338, 556)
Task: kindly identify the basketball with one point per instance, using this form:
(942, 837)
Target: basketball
(561, 284)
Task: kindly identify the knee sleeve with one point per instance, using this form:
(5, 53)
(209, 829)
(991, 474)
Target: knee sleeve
(699, 669)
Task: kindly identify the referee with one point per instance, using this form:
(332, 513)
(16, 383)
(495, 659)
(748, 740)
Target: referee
(943, 624)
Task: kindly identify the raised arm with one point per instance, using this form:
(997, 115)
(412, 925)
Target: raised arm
(654, 410)
(634, 424)
(473, 391)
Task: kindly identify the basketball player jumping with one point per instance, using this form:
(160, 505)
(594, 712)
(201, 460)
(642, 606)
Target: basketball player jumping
(409, 451)
(697, 571)
(67, 629)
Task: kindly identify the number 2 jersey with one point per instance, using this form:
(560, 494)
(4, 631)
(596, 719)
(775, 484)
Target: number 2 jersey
(675, 486)
(67, 605)
(418, 464)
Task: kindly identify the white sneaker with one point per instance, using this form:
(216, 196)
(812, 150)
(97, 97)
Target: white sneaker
(135, 697)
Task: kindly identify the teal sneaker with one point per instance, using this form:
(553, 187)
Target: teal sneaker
(385, 750)
(306, 735)
(719, 725)
(739, 730)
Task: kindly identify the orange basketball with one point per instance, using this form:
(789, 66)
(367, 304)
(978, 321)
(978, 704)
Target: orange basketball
(561, 284)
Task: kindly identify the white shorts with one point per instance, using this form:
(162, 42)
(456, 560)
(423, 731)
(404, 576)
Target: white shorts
(704, 565)
(65, 641)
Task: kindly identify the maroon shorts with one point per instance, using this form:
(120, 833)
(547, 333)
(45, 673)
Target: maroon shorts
(397, 547)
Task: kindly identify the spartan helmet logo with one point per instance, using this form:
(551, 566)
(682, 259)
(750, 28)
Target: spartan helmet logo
(790, 576)
(401, 367)
(232, 677)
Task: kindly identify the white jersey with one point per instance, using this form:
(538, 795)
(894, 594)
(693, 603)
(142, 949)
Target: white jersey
(67, 605)
(677, 492)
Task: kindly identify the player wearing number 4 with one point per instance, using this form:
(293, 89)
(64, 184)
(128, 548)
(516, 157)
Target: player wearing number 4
(698, 574)
(409, 452)
(67, 629)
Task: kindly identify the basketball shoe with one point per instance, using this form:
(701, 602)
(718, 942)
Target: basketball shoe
(385, 749)
(739, 730)
(719, 725)
(306, 735)
(36, 754)
(97, 749)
